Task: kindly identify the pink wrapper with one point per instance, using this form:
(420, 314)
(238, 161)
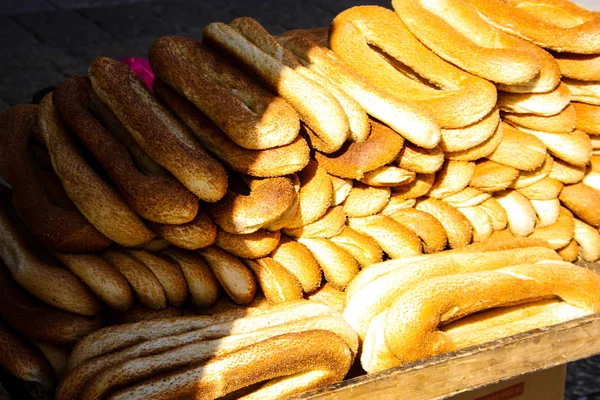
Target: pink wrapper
(141, 67)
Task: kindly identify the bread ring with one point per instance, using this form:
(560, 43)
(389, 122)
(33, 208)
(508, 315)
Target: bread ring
(156, 129)
(397, 202)
(417, 188)
(58, 357)
(481, 150)
(563, 122)
(298, 260)
(339, 267)
(547, 211)
(156, 198)
(583, 201)
(388, 176)
(558, 234)
(323, 114)
(365, 200)
(588, 239)
(101, 277)
(38, 321)
(420, 160)
(353, 160)
(155, 245)
(490, 176)
(412, 122)
(237, 281)
(457, 33)
(252, 245)
(457, 226)
(425, 226)
(363, 248)
(588, 118)
(518, 149)
(528, 178)
(470, 136)
(511, 285)
(202, 284)
(546, 189)
(341, 189)
(395, 239)
(168, 274)
(480, 221)
(277, 283)
(521, 214)
(60, 227)
(255, 119)
(558, 25)
(329, 295)
(330, 224)
(584, 92)
(468, 197)
(196, 234)
(583, 67)
(574, 148)
(452, 178)
(592, 174)
(356, 36)
(566, 173)
(544, 104)
(267, 201)
(496, 213)
(97, 200)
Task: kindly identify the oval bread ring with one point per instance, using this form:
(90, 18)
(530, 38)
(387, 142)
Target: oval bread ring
(388, 176)
(196, 234)
(516, 284)
(480, 221)
(588, 117)
(156, 198)
(300, 262)
(583, 67)
(254, 32)
(235, 278)
(396, 240)
(412, 122)
(566, 173)
(323, 114)
(155, 129)
(168, 274)
(545, 104)
(329, 295)
(563, 122)
(528, 178)
(341, 189)
(470, 136)
(143, 282)
(202, 284)
(338, 266)
(583, 201)
(557, 25)
(457, 226)
(353, 160)
(452, 178)
(50, 283)
(570, 252)
(61, 228)
(417, 188)
(277, 161)
(548, 212)
(101, 277)
(521, 214)
(97, 200)
(277, 283)
(155, 245)
(496, 212)
(518, 149)
(490, 176)
(560, 233)
(37, 320)
(255, 119)
(251, 245)
(357, 32)
(584, 92)
(365, 200)
(468, 197)
(457, 33)
(546, 189)
(481, 150)
(419, 159)
(425, 226)
(330, 224)
(397, 203)
(270, 199)
(592, 174)
(588, 239)
(363, 248)
(574, 148)
(280, 221)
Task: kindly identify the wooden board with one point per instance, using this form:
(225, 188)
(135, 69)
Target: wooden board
(452, 373)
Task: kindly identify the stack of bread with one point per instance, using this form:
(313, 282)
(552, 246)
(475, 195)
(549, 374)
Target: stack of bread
(443, 148)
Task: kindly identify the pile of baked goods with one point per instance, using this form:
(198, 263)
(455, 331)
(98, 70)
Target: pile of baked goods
(350, 192)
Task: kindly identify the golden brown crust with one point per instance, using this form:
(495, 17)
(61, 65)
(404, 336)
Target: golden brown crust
(365, 200)
(566, 173)
(545, 104)
(582, 91)
(546, 189)
(277, 283)
(452, 178)
(483, 149)
(196, 234)
(470, 136)
(588, 117)
(558, 234)
(420, 160)
(583, 201)
(570, 252)
(362, 247)
(297, 259)
(426, 226)
(563, 122)
(251, 245)
(417, 188)
(388, 176)
(519, 149)
(490, 176)
(574, 148)
(496, 213)
(457, 226)
(330, 224)
(521, 214)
